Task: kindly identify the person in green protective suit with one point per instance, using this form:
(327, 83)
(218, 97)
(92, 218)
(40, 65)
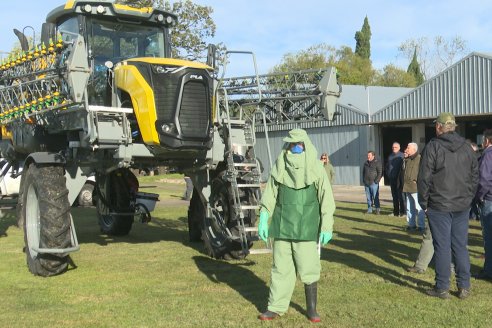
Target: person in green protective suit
(299, 200)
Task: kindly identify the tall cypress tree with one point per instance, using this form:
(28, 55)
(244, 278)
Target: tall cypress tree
(414, 69)
(363, 40)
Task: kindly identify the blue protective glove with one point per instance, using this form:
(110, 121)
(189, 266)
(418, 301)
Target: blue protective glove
(325, 237)
(263, 226)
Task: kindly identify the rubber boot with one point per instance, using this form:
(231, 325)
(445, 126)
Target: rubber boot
(311, 300)
(268, 315)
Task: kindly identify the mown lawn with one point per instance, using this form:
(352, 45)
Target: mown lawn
(155, 278)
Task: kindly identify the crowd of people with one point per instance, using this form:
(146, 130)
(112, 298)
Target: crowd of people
(449, 184)
(440, 184)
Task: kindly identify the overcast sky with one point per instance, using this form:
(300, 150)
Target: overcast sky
(272, 28)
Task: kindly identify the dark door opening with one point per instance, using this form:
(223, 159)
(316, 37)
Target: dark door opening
(389, 135)
(470, 128)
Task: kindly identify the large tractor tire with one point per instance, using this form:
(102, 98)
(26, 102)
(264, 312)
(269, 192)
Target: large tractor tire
(46, 213)
(220, 233)
(196, 214)
(116, 195)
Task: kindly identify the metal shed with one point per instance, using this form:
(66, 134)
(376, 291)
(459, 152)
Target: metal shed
(346, 140)
(464, 89)
(374, 117)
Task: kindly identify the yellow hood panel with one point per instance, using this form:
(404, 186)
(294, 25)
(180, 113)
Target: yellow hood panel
(129, 79)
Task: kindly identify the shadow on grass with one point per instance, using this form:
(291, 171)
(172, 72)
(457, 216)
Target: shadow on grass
(360, 220)
(238, 277)
(7, 219)
(364, 265)
(379, 244)
(159, 229)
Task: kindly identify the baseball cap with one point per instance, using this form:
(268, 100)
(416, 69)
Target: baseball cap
(445, 118)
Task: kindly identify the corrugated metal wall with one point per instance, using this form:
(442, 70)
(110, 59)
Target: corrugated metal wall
(346, 146)
(348, 116)
(463, 89)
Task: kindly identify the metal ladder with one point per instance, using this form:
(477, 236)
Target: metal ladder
(243, 168)
(243, 173)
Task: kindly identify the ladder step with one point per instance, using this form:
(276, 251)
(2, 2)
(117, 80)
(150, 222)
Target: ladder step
(232, 121)
(248, 185)
(245, 164)
(250, 207)
(250, 229)
(246, 144)
(260, 251)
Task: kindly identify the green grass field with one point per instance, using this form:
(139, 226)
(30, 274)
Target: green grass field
(155, 278)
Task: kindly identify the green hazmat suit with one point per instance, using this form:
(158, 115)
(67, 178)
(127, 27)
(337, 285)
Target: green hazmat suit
(298, 183)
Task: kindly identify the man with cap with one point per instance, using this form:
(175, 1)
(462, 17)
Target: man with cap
(299, 200)
(446, 184)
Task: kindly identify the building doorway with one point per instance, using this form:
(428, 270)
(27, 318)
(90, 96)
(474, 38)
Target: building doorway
(389, 135)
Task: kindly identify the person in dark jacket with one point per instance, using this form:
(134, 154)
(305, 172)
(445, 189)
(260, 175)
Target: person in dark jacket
(371, 174)
(484, 199)
(446, 185)
(393, 169)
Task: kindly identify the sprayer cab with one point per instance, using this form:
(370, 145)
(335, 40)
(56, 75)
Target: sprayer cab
(127, 52)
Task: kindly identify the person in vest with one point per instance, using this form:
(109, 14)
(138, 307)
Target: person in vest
(299, 200)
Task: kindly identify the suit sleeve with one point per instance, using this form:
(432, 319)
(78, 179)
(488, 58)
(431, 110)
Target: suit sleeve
(326, 203)
(269, 196)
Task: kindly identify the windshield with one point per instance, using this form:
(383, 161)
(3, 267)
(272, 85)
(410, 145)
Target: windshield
(116, 41)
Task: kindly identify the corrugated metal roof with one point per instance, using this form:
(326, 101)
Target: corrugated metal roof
(464, 89)
(369, 99)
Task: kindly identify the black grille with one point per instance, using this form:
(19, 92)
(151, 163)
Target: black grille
(193, 114)
(184, 97)
(166, 92)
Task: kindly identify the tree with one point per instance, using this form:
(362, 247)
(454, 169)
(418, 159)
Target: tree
(436, 55)
(194, 26)
(392, 76)
(363, 41)
(317, 56)
(414, 69)
(352, 68)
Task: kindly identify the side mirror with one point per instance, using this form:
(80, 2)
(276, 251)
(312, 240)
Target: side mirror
(211, 55)
(22, 40)
(330, 92)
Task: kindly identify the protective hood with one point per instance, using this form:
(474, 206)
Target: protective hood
(451, 141)
(297, 170)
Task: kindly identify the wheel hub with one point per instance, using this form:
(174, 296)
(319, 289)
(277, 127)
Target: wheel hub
(33, 223)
